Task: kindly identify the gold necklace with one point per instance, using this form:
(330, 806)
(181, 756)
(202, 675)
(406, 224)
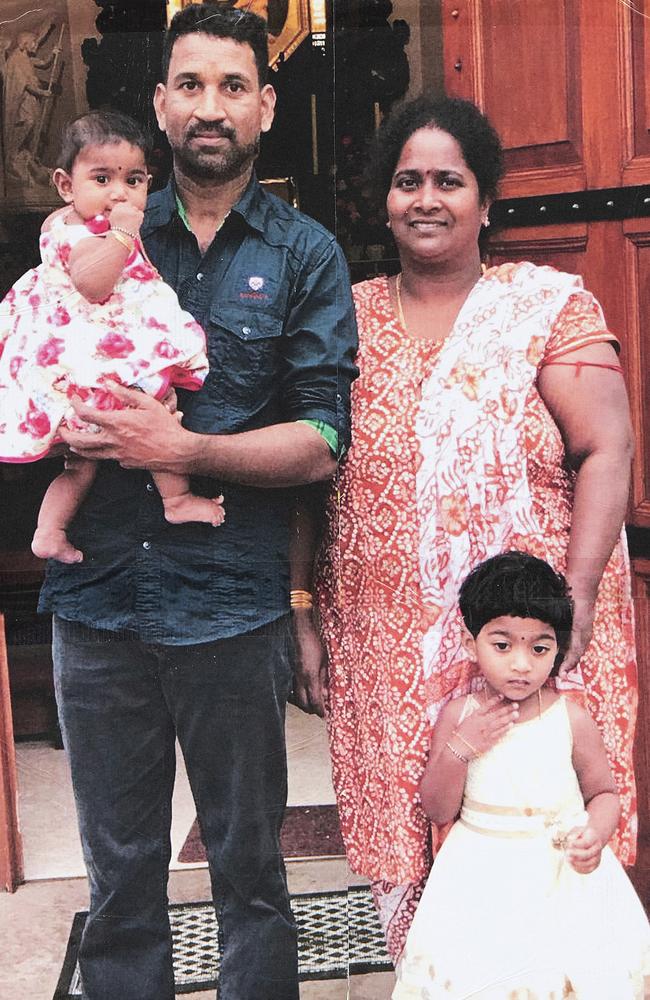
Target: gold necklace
(398, 298)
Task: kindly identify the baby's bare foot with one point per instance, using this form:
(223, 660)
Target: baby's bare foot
(52, 543)
(187, 507)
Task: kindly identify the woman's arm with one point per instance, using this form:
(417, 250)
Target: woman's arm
(591, 410)
(598, 790)
(310, 666)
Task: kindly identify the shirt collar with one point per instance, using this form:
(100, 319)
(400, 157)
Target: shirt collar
(251, 206)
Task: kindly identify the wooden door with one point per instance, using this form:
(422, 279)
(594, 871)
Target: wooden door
(567, 85)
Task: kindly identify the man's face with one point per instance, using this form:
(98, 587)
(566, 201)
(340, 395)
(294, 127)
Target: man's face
(212, 107)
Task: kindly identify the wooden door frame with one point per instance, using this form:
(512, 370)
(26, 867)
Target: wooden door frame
(11, 848)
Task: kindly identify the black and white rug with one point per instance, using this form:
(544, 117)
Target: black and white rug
(338, 935)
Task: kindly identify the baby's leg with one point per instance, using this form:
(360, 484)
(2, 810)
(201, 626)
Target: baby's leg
(60, 503)
(182, 506)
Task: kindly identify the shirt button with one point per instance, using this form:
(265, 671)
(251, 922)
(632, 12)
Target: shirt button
(149, 487)
(246, 330)
(146, 545)
(199, 276)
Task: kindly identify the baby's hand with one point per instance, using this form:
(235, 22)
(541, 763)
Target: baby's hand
(485, 727)
(583, 850)
(127, 216)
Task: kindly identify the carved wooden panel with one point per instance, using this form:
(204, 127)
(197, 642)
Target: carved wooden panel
(563, 247)
(640, 874)
(637, 232)
(636, 34)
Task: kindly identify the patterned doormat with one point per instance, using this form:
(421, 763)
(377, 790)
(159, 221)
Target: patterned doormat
(307, 832)
(338, 935)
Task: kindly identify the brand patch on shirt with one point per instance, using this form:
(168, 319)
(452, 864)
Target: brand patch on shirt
(254, 289)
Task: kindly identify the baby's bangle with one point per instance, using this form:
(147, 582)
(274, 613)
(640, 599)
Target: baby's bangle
(127, 243)
(457, 753)
(127, 232)
(466, 742)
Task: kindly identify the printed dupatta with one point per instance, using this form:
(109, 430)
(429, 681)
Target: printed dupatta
(473, 496)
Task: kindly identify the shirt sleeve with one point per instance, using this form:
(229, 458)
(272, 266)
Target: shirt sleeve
(320, 343)
(579, 322)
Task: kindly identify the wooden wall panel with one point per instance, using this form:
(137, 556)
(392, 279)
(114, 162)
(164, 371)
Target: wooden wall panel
(563, 247)
(640, 874)
(637, 232)
(636, 30)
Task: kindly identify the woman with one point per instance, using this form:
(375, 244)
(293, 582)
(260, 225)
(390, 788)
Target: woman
(489, 414)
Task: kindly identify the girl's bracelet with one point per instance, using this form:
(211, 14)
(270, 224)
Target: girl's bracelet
(467, 743)
(457, 753)
(127, 232)
(127, 241)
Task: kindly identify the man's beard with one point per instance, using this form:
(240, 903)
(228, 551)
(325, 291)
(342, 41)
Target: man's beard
(213, 165)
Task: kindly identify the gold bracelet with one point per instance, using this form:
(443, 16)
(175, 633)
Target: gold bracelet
(128, 244)
(301, 599)
(466, 742)
(127, 232)
(457, 753)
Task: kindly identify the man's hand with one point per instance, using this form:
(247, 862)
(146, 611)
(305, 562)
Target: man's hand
(310, 668)
(583, 850)
(144, 435)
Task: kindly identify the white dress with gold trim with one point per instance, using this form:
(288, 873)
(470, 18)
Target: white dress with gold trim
(503, 915)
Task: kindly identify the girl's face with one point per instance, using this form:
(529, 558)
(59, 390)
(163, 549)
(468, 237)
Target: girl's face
(104, 176)
(434, 208)
(515, 655)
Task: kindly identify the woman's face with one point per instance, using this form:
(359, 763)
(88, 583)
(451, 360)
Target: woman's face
(434, 207)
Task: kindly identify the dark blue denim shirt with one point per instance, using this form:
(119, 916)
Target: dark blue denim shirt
(272, 293)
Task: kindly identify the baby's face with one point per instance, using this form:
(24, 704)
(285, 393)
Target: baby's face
(105, 176)
(515, 655)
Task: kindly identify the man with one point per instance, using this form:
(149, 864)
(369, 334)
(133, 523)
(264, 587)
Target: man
(183, 630)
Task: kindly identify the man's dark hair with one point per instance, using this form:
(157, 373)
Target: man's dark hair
(220, 21)
(478, 140)
(100, 128)
(520, 586)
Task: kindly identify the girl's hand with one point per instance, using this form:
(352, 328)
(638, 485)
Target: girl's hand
(310, 666)
(583, 850)
(487, 725)
(127, 216)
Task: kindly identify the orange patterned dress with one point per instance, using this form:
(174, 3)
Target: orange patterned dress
(382, 701)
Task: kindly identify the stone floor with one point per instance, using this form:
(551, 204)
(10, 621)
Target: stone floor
(35, 924)
(35, 921)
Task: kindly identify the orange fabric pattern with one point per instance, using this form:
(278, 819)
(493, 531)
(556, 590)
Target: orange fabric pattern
(370, 599)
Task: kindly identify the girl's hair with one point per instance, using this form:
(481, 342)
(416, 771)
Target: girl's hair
(521, 586)
(479, 142)
(100, 128)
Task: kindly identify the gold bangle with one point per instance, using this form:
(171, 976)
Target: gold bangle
(128, 244)
(301, 599)
(127, 232)
(457, 753)
(466, 742)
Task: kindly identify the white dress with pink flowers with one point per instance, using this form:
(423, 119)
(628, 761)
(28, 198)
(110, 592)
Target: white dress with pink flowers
(54, 344)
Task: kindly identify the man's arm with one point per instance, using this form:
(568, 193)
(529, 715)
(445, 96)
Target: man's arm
(146, 436)
(319, 342)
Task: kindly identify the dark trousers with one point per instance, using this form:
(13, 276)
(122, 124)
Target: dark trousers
(122, 703)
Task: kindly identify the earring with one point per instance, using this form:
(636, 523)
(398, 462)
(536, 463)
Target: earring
(388, 224)
(485, 222)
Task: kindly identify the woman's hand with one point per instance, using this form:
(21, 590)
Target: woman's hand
(486, 726)
(310, 667)
(583, 620)
(584, 849)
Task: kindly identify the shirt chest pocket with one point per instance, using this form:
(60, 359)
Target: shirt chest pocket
(244, 350)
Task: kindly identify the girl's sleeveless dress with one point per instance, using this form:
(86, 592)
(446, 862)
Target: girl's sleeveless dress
(55, 344)
(503, 915)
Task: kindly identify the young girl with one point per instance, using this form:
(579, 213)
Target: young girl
(94, 311)
(525, 900)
